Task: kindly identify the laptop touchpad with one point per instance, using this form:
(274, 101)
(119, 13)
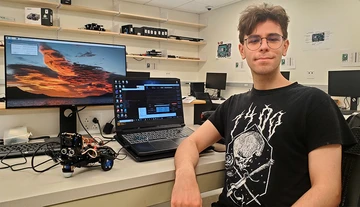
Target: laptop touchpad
(164, 144)
(143, 147)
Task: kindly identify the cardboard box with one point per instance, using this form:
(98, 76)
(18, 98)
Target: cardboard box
(40, 16)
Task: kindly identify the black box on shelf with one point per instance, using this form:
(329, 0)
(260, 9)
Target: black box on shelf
(138, 31)
(127, 29)
(40, 16)
(68, 2)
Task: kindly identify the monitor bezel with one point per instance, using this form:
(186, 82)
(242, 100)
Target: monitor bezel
(57, 40)
(151, 123)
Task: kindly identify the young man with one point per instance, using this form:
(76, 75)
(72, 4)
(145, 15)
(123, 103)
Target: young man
(283, 140)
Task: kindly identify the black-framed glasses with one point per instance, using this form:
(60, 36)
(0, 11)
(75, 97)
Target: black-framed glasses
(274, 41)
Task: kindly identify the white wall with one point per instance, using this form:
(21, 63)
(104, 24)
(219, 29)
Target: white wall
(338, 17)
(46, 121)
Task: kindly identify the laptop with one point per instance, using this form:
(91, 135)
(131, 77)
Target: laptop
(149, 116)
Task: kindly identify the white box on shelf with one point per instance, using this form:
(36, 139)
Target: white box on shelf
(39, 16)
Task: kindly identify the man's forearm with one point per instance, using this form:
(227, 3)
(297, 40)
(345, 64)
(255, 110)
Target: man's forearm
(319, 197)
(187, 155)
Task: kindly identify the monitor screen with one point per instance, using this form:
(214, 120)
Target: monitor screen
(147, 102)
(344, 83)
(48, 73)
(138, 74)
(286, 74)
(196, 87)
(216, 80)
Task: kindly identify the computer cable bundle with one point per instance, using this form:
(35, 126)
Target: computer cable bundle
(50, 151)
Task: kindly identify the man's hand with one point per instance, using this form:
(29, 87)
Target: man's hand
(186, 191)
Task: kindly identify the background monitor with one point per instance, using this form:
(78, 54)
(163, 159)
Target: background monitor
(216, 81)
(58, 73)
(286, 74)
(196, 87)
(345, 83)
(132, 74)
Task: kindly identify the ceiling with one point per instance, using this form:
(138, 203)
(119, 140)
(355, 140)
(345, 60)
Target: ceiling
(192, 6)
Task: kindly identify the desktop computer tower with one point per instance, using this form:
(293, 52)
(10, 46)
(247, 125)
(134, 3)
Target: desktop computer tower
(196, 87)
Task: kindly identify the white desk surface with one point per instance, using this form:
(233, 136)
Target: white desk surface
(28, 188)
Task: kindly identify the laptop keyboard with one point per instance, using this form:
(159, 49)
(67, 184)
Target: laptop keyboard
(141, 137)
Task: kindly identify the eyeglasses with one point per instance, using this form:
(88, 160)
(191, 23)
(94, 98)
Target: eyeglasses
(274, 41)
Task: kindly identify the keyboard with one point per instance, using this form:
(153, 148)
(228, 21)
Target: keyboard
(28, 149)
(141, 137)
(347, 112)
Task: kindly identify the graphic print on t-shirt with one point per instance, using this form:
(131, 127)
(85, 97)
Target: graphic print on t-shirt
(249, 154)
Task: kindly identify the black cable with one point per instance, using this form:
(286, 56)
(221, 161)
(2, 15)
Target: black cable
(48, 144)
(139, 59)
(111, 120)
(96, 121)
(118, 153)
(346, 103)
(77, 113)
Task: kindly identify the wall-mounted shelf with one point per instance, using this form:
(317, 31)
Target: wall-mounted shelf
(43, 3)
(188, 24)
(141, 17)
(163, 58)
(36, 3)
(90, 32)
(87, 9)
(23, 25)
(161, 39)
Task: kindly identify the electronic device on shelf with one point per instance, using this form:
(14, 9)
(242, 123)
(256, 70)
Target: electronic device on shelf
(79, 151)
(345, 83)
(193, 39)
(153, 53)
(216, 81)
(59, 73)
(95, 26)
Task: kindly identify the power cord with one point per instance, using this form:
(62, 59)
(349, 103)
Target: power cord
(77, 113)
(96, 121)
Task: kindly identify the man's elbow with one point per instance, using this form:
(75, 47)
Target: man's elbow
(333, 196)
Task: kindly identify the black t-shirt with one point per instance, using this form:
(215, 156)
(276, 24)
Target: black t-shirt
(268, 134)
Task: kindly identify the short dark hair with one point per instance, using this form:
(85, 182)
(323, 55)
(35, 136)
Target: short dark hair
(253, 15)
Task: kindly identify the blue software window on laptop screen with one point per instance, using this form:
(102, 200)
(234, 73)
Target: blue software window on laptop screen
(151, 100)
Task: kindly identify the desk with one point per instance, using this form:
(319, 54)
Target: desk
(129, 183)
(192, 111)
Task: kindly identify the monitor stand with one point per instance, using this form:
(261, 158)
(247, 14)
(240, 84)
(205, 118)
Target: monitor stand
(353, 103)
(68, 119)
(218, 95)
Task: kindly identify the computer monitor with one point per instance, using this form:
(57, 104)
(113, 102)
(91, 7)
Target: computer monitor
(132, 74)
(59, 73)
(345, 83)
(216, 81)
(286, 74)
(196, 87)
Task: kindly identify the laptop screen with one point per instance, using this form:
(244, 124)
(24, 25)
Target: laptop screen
(141, 102)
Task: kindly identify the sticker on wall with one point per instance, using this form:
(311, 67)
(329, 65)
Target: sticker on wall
(350, 58)
(287, 63)
(318, 40)
(223, 50)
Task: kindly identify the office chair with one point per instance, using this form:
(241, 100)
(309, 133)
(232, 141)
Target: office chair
(351, 173)
(205, 97)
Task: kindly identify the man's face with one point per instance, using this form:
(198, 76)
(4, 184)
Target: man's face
(264, 60)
